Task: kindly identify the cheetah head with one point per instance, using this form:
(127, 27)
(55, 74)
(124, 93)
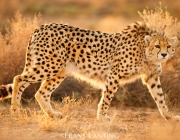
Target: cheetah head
(159, 47)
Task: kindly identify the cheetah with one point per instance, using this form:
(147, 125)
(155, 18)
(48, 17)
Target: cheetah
(6, 91)
(105, 60)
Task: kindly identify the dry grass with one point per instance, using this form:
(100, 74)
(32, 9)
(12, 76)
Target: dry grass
(13, 46)
(161, 19)
(79, 122)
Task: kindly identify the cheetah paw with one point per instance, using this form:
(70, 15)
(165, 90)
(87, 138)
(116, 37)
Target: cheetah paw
(177, 118)
(56, 115)
(103, 116)
(15, 109)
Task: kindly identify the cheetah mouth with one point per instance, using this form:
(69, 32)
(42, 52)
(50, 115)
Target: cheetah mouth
(163, 59)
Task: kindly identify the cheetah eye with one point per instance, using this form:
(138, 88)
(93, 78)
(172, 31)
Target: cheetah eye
(169, 46)
(157, 46)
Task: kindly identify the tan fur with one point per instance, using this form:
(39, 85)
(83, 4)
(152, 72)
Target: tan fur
(106, 60)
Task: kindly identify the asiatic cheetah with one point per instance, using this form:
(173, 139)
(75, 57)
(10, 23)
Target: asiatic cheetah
(105, 60)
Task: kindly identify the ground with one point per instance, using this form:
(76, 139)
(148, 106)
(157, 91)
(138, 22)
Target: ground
(79, 122)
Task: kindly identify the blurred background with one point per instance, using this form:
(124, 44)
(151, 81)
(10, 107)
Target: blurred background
(105, 15)
(18, 19)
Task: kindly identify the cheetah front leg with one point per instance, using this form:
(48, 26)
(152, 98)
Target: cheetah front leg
(154, 86)
(107, 95)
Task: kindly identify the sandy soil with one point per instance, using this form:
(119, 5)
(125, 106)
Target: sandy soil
(81, 123)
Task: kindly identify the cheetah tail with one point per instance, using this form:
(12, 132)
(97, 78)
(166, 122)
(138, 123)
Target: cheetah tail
(6, 91)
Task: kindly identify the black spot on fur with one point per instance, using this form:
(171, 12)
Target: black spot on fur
(55, 71)
(153, 85)
(161, 101)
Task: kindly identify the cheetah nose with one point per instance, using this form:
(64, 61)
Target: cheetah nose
(164, 54)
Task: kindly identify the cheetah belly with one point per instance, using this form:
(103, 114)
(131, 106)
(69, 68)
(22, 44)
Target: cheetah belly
(97, 81)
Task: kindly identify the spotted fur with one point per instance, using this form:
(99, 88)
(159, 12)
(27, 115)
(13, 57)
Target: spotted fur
(105, 60)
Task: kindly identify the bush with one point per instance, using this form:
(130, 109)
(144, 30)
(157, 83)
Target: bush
(13, 46)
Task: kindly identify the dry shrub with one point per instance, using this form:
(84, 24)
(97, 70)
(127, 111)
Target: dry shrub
(161, 19)
(13, 46)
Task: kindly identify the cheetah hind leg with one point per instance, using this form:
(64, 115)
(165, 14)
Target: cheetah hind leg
(44, 93)
(18, 88)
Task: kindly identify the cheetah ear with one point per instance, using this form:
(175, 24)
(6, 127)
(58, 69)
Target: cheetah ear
(174, 39)
(147, 39)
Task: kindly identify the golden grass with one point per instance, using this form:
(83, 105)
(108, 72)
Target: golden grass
(79, 122)
(161, 19)
(13, 46)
